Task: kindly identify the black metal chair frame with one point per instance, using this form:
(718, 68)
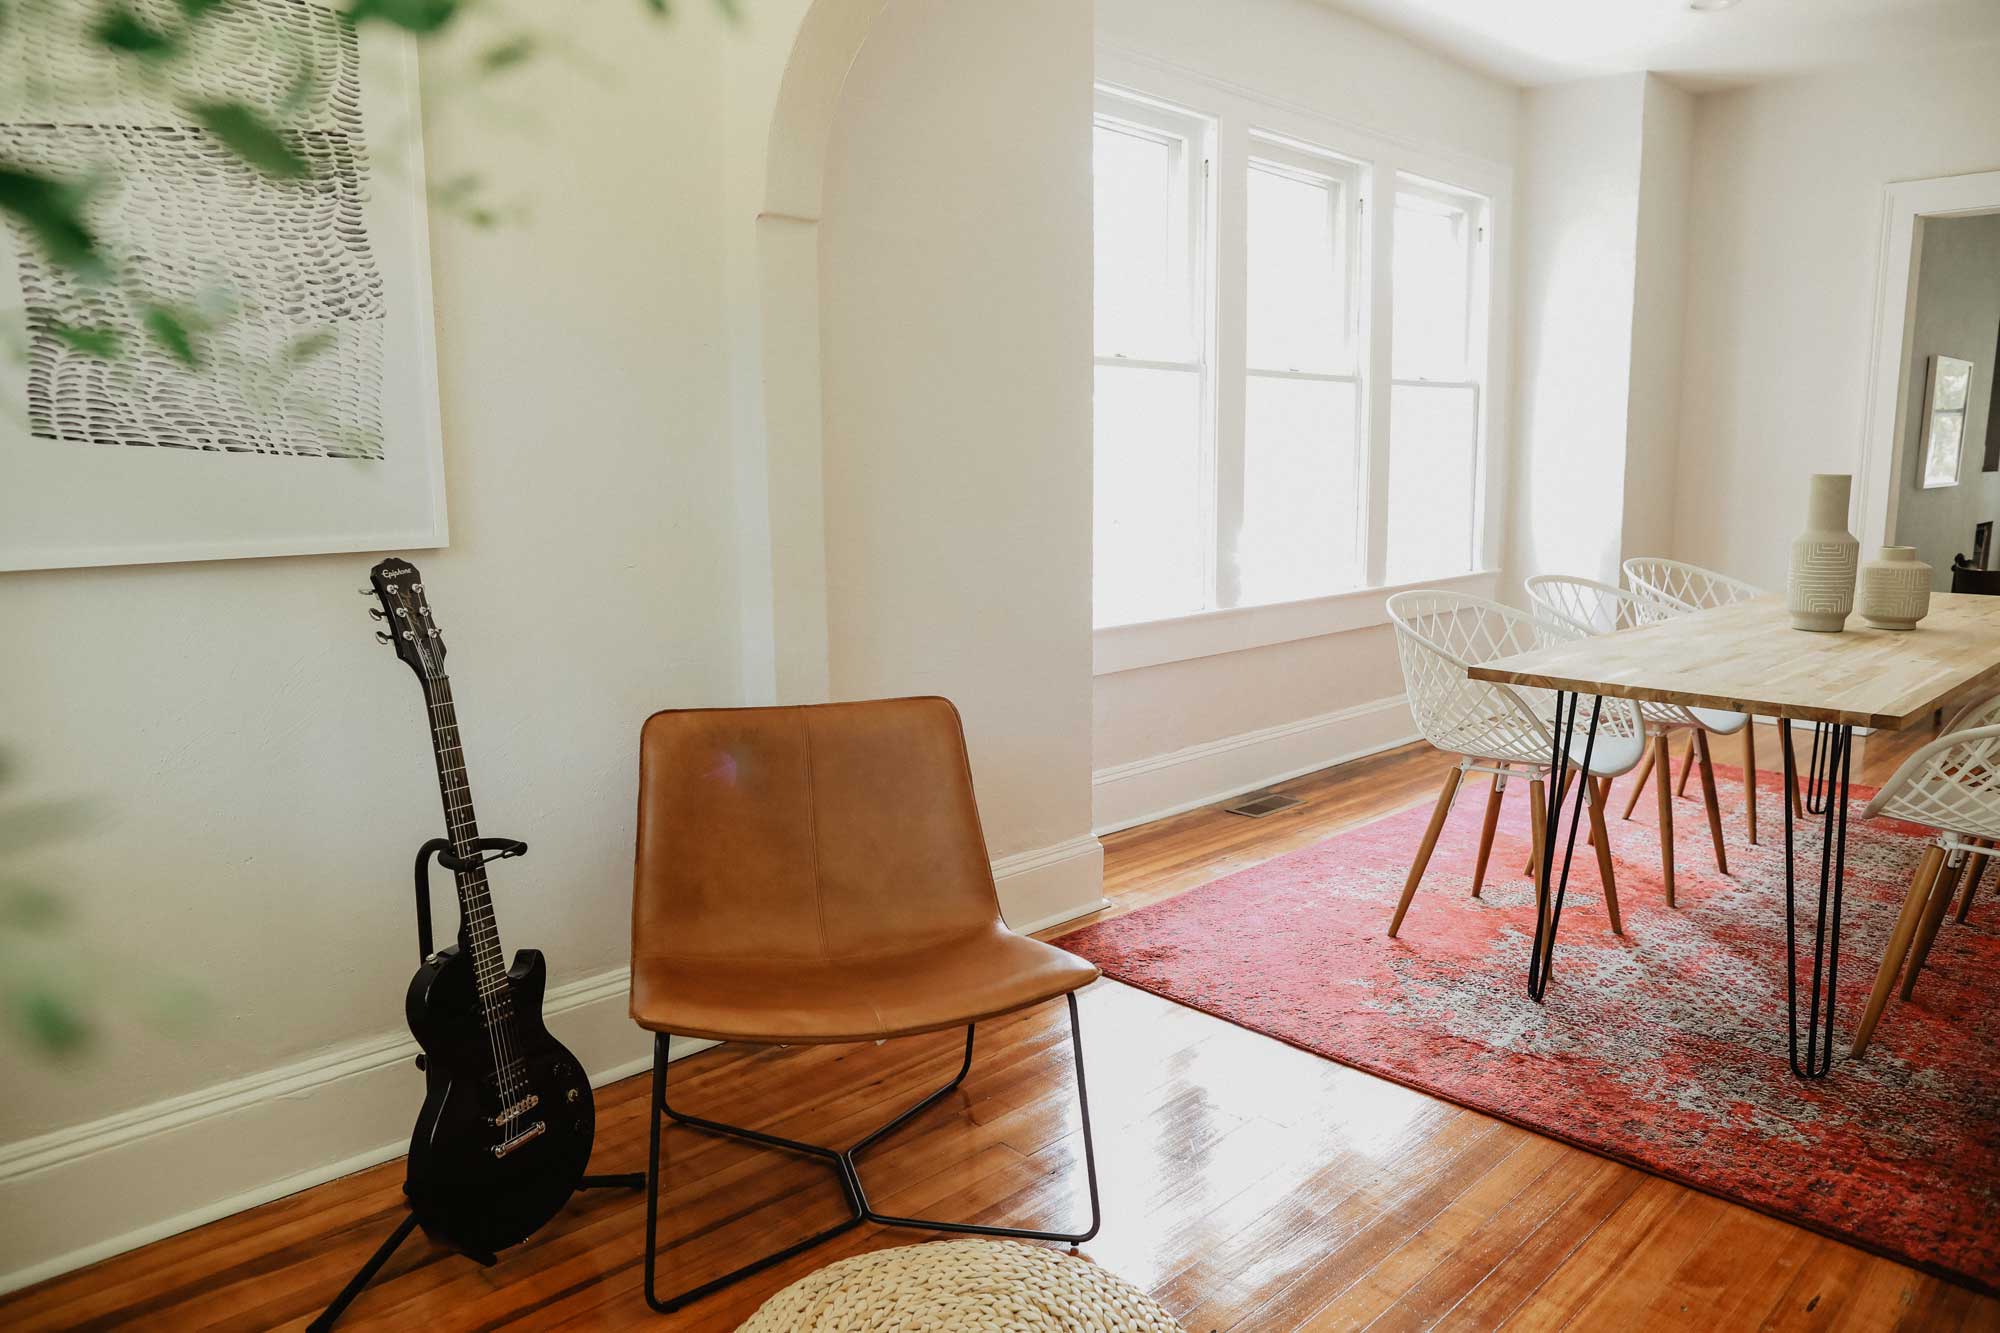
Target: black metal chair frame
(845, 1162)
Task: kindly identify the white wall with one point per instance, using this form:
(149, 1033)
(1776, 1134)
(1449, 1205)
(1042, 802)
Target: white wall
(1957, 314)
(1786, 211)
(955, 317)
(1341, 69)
(1575, 267)
(1659, 317)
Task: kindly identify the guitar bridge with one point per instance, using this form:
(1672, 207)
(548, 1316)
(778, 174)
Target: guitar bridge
(516, 1111)
(532, 1132)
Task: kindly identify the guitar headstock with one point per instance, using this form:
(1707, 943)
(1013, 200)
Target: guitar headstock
(411, 631)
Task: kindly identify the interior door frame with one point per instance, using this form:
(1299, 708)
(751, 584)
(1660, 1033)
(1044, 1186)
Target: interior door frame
(1906, 205)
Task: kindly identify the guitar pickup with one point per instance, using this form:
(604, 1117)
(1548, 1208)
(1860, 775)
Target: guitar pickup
(516, 1111)
(527, 1135)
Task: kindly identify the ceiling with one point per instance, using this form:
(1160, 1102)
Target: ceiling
(1550, 41)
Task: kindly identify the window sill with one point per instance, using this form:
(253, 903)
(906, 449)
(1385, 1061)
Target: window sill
(1211, 633)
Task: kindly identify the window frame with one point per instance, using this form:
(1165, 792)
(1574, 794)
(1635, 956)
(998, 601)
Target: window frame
(1247, 126)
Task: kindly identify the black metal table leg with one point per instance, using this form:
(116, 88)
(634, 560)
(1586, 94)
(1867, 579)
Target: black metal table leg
(1826, 794)
(1548, 903)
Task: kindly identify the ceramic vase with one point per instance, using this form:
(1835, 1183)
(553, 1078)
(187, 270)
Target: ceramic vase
(1895, 589)
(1820, 591)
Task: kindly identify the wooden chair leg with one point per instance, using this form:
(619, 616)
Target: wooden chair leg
(1436, 827)
(1708, 798)
(1687, 767)
(1494, 795)
(1602, 843)
(1972, 874)
(1663, 761)
(1798, 777)
(1899, 945)
(1750, 778)
(1535, 859)
(1639, 783)
(1538, 827)
(1927, 930)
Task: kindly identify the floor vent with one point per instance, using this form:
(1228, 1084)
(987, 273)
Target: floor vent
(1258, 804)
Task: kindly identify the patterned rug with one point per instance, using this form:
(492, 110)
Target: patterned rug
(1663, 1049)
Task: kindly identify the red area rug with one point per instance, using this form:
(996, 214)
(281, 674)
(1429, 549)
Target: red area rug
(1663, 1049)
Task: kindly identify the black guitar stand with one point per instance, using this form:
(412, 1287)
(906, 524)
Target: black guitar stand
(478, 854)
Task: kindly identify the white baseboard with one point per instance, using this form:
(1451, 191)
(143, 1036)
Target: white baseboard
(1166, 784)
(77, 1195)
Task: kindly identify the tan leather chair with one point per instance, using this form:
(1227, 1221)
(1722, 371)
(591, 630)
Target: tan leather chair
(818, 874)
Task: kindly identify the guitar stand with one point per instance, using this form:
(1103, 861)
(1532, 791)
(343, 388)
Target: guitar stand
(478, 854)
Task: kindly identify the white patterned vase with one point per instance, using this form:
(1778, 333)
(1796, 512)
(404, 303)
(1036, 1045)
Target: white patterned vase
(1820, 591)
(1895, 589)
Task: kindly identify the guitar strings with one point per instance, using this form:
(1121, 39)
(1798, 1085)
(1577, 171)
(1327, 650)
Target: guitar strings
(483, 934)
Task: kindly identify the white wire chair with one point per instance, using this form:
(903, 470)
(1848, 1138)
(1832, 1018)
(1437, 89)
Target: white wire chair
(1686, 587)
(1682, 589)
(1502, 730)
(1588, 607)
(1951, 785)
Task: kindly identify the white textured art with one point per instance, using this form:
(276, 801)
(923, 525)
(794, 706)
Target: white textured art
(290, 262)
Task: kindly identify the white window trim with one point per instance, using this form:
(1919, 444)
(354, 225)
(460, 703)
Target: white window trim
(1389, 159)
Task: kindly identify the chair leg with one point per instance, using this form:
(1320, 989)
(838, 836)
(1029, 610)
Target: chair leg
(1436, 827)
(1700, 748)
(1534, 866)
(1602, 843)
(1538, 820)
(1663, 761)
(1639, 782)
(1494, 795)
(845, 1163)
(1898, 947)
(1750, 778)
(1927, 930)
(1972, 874)
(1687, 766)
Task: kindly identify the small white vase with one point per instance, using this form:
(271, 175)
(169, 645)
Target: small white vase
(1820, 591)
(1895, 589)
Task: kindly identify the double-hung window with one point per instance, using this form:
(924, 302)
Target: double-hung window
(1252, 310)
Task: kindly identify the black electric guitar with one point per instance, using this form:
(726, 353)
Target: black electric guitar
(504, 1136)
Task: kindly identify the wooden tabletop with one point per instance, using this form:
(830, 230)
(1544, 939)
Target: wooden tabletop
(1747, 658)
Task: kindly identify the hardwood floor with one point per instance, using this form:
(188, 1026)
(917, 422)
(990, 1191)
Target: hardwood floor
(1248, 1185)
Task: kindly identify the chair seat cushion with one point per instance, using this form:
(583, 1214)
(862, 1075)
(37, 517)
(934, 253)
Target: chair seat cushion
(800, 1001)
(1715, 720)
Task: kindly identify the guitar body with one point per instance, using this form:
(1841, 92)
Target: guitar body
(463, 1193)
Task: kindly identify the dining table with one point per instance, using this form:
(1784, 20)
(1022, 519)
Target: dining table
(1747, 658)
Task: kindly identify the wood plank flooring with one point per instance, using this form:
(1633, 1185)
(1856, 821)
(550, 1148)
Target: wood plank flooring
(1248, 1185)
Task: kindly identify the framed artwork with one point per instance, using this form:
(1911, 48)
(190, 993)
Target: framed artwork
(1947, 390)
(311, 422)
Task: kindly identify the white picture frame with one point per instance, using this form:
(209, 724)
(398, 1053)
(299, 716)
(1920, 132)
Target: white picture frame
(75, 495)
(1947, 392)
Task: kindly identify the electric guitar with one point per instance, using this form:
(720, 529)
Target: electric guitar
(505, 1131)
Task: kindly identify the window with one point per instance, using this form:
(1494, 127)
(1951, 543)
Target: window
(1437, 358)
(1153, 449)
(1241, 458)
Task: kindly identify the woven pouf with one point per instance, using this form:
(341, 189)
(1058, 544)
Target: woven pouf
(966, 1286)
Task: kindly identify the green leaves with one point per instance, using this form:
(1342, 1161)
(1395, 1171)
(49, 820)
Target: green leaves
(50, 1020)
(250, 137)
(505, 55)
(122, 30)
(101, 343)
(422, 17)
(170, 330)
(52, 211)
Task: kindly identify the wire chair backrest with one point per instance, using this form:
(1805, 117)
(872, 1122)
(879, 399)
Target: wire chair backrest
(1590, 607)
(1686, 587)
(1439, 635)
(1952, 784)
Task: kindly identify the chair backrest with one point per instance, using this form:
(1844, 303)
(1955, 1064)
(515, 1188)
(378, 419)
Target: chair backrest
(1438, 636)
(1591, 607)
(810, 833)
(1953, 783)
(1984, 582)
(1686, 587)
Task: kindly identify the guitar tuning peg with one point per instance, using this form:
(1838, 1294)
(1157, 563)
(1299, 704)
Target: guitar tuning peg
(366, 592)
(380, 637)
(378, 613)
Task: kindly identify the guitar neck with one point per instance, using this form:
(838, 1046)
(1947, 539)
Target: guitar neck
(477, 926)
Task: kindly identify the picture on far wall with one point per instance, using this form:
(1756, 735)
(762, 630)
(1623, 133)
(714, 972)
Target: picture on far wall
(1947, 390)
(309, 422)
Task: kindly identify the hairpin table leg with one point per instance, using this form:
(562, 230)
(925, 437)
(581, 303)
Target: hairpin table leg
(1549, 901)
(1826, 794)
